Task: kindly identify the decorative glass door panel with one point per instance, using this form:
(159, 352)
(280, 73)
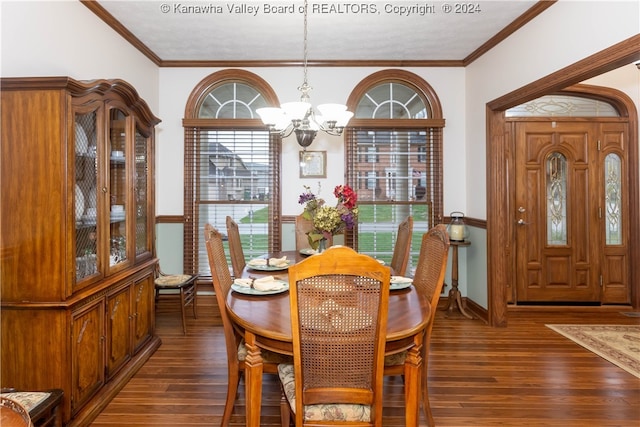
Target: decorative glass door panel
(615, 223)
(556, 182)
(85, 196)
(117, 152)
(613, 199)
(141, 188)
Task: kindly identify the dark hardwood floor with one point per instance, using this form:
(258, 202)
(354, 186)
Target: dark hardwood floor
(522, 375)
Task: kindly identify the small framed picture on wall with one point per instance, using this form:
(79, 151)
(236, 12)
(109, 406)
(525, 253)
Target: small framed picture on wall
(313, 164)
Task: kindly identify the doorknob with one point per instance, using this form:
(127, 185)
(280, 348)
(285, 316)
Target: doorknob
(521, 209)
(521, 222)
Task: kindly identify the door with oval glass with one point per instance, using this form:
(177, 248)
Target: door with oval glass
(571, 211)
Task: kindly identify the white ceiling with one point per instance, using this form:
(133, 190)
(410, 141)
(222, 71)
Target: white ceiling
(342, 31)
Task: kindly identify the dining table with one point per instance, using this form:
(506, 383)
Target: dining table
(265, 323)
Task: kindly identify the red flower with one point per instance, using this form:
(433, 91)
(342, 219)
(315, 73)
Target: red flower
(346, 196)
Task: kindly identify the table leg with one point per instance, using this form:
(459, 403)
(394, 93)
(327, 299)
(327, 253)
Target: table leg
(412, 383)
(253, 381)
(454, 305)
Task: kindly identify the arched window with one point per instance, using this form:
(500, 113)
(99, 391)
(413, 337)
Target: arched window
(231, 166)
(394, 160)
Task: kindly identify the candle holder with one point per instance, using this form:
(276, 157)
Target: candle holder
(457, 229)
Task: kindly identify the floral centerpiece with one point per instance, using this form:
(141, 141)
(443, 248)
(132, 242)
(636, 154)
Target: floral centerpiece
(329, 220)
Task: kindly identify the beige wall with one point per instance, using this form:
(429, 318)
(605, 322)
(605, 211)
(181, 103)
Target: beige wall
(64, 38)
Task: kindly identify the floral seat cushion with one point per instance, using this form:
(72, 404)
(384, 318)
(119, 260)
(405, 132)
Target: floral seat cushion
(326, 411)
(395, 359)
(28, 399)
(172, 280)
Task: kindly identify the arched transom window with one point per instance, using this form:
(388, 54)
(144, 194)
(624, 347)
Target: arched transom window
(391, 101)
(232, 100)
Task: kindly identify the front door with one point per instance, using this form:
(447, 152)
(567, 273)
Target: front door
(571, 211)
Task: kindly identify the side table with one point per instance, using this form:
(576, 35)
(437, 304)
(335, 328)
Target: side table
(454, 306)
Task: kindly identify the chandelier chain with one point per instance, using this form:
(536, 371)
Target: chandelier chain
(305, 88)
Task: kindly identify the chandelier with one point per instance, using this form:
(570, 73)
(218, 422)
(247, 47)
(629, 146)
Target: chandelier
(300, 117)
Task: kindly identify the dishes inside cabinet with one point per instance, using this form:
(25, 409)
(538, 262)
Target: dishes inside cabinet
(82, 142)
(79, 203)
(92, 200)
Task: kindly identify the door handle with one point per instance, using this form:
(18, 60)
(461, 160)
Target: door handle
(521, 222)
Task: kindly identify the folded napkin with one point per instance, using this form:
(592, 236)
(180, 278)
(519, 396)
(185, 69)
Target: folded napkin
(273, 262)
(400, 279)
(267, 283)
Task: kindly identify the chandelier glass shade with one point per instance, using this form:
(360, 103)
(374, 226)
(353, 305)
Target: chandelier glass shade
(299, 117)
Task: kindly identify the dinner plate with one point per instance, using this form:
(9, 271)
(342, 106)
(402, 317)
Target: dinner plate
(12, 413)
(79, 203)
(268, 267)
(399, 285)
(82, 142)
(249, 291)
(308, 251)
(399, 282)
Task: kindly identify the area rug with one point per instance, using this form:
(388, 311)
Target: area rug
(619, 344)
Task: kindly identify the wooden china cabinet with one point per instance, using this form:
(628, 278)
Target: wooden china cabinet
(77, 238)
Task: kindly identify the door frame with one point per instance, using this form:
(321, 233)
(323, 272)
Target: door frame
(500, 181)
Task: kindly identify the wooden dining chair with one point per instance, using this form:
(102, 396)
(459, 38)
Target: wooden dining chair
(428, 281)
(236, 253)
(186, 285)
(339, 301)
(236, 350)
(303, 226)
(402, 248)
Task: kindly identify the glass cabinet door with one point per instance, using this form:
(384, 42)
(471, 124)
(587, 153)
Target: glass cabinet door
(85, 196)
(141, 188)
(117, 178)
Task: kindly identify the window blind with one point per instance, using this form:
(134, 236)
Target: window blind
(230, 172)
(396, 173)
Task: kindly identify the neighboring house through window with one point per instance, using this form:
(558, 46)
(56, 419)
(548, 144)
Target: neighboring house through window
(393, 149)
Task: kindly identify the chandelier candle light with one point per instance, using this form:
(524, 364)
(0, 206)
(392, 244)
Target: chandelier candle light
(299, 117)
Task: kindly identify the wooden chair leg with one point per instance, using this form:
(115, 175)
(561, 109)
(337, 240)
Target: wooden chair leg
(285, 411)
(195, 300)
(425, 387)
(427, 406)
(184, 323)
(232, 390)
